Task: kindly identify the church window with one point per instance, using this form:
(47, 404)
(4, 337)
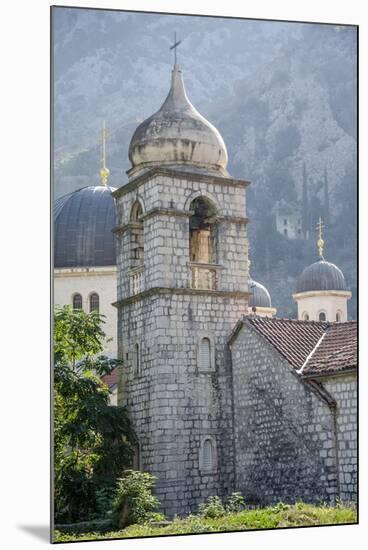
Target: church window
(202, 244)
(205, 354)
(305, 316)
(137, 360)
(208, 458)
(322, 316)
(338, 317)
(94, 302)
(202, 237)
(77, 301)
(136, 236)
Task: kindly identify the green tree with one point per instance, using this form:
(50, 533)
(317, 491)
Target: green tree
(305, 204)
(93, 441)
(326, 199)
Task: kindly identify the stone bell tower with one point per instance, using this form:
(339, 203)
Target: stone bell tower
(182, 258)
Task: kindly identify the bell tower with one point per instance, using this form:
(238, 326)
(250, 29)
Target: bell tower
(182, 261)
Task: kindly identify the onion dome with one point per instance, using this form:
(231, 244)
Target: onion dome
(178, 134)
(260, 297)
(321, 275)
(83, 223)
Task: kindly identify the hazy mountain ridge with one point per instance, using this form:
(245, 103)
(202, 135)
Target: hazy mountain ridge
(281, 95)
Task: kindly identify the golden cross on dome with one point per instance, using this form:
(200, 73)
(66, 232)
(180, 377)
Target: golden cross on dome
(320, 242)
(104, 171)
(174, 46)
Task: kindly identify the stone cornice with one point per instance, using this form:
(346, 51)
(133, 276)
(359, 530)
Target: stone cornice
(180, 291)
(179, 214)
(318, 293)
(160, 171)
(84, 271)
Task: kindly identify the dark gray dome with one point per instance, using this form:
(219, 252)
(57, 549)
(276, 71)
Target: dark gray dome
(83, 223)
(260, 297)
(321, 275)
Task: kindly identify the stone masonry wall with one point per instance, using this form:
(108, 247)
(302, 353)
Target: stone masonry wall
(173, 405)
(166, 235)
(344, 391)
(284, 432)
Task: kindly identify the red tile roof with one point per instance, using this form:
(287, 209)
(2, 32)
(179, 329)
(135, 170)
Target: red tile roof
(311, 347)
(110, 379)
(336, 352)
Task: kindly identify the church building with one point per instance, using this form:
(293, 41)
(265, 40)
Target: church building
(223, 396)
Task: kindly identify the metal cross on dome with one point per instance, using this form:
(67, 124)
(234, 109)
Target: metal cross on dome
(174, 46)
(320, 242)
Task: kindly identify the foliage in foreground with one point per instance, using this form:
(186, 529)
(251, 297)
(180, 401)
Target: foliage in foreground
(281, 515)
(134, 501)
(93, 441)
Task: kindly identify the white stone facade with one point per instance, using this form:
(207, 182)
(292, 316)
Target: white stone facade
(331, 303)
(85, 281)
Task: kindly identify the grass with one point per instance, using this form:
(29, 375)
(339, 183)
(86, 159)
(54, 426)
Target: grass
(281, 515)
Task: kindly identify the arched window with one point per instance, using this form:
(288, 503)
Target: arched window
(205, 354)
(208, 455)
(202, 238)
(338, 317)
(77, 301)
(322, 316)
(305, 316)
(137, 359)
(94, 302)
(136, 236)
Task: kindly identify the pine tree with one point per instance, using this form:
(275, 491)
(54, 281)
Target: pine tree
(326, 201)
(305, 204)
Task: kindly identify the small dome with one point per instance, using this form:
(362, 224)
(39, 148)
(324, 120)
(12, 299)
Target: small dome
(321, 275)
(83, 227)
(178, 134)
(260, 297)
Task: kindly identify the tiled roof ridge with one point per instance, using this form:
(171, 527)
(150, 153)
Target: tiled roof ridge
(327, 324)
(300, 371)
(308, 345)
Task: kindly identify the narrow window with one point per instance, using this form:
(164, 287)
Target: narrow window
(205, 354)
(207, 463)
(136, 236)
(77, 301)
(322, 316)
(285, 222)
(202, 245)
(338, 317)
(137, 360)
(285, 232)
(94, 302)
(305, 317)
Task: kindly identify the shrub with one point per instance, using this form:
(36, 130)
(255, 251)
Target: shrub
(104, 501)
(134, 501)
(211, 508)
(235, 503)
